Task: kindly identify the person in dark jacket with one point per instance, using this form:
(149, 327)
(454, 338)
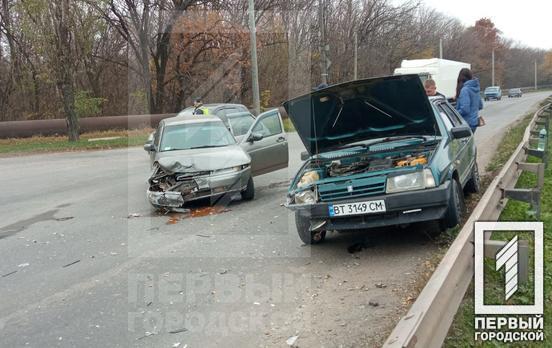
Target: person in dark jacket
(468, 99)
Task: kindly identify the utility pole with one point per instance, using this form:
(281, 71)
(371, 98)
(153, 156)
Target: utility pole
(323, 54)
(356, 56)
(254, 65)
(536, 83)
(493, 67)
(441, 48)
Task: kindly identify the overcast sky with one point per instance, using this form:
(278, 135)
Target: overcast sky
(526, 21)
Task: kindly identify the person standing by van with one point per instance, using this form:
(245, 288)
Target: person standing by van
(468, 98)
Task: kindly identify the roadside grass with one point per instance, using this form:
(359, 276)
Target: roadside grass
(462, 330)
(509, 144)
(41, 144)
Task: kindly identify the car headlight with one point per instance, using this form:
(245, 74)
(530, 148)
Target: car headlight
(230, 170)
(305, 197)
(410, 182)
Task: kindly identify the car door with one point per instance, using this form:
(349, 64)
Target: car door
(266, 143)
(464, 156)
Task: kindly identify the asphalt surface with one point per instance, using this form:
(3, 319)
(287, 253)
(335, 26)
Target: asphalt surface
(86, 262)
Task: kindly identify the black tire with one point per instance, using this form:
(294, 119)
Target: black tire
(474, 184)
(249, 192)
(303, 229)
(455, 208)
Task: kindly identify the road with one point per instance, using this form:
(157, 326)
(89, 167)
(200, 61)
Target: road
(86, 262)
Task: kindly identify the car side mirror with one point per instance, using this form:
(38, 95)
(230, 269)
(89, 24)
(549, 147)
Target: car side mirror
(149, 147)
(304, 156)
(255, 137)
(461, 132)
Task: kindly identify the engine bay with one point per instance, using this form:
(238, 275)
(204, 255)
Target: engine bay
(351, 165)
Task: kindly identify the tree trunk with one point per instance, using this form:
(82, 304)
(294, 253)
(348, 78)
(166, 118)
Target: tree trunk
(66, 67)
(68, 96)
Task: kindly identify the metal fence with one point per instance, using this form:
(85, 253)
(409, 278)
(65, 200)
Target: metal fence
(427, 322)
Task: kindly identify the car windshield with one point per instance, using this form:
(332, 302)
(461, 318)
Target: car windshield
(241, 123)
(491, 89)
(195, 135)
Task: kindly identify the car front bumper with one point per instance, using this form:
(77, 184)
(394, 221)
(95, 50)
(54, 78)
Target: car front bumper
(205, 187)
(401, 208)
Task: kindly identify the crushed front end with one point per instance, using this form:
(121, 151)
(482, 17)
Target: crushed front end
(355, 189)
(168, 189)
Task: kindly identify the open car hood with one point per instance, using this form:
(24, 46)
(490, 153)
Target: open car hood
(362, 110)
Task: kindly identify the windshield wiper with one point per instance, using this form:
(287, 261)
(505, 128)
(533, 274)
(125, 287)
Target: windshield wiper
(205, 147)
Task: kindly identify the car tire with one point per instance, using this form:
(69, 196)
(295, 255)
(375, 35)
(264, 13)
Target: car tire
(474, 184)
(305, 234)
(249, 193)
(455, 208)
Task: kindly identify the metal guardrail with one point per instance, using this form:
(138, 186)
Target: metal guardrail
(427, 322)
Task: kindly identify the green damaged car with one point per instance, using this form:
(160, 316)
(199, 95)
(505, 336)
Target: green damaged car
(379, 153)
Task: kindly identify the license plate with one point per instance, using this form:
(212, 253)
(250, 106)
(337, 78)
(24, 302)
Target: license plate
(358, 208)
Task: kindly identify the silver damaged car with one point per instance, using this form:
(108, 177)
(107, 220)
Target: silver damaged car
(197, 156)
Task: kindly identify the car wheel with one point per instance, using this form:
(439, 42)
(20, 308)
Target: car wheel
(305, 234)
(474, 184)
(455, 208)
(249, 192)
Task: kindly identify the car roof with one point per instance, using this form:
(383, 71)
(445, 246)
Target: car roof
(435, 98)
(186, 119)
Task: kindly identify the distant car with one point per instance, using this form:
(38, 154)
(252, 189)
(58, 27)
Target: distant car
(493, 92)
(515, 93)
(379, 153)
(195, 157)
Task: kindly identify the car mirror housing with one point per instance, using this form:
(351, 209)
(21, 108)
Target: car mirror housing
(461, 132)
(255, 137)
(304, 156)
(149, 147)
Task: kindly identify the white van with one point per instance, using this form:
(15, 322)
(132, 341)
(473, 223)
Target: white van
(444, 72)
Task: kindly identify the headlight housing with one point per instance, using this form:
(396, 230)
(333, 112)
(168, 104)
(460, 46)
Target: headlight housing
(305, 197)
(410, 182)
(230, 170)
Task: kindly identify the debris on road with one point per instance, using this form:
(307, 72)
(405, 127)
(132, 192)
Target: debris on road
(71, 264)
(380, 286)
(203, 236)
(224, 271)
(178, 330)
(23, 265)
(373, 303)
(292, 340)
(65, 218)
(147, 334)
(181, 210)
(133, 215)
(357, 247)
(8, 274)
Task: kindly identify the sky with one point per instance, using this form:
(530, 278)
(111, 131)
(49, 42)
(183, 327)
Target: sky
(525, 21)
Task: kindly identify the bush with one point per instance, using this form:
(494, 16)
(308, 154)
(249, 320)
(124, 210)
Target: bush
(86, 105)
